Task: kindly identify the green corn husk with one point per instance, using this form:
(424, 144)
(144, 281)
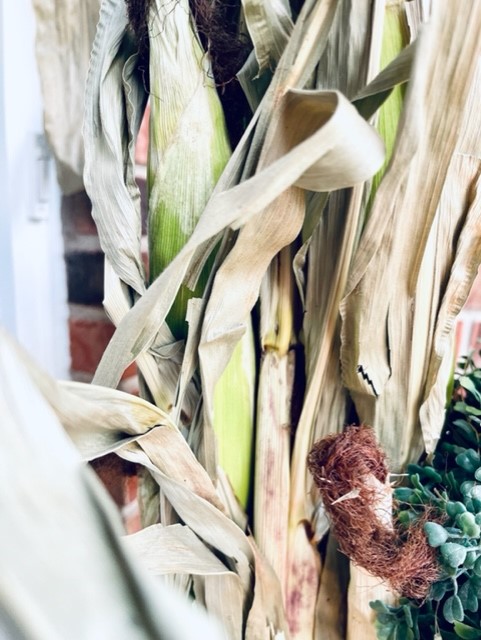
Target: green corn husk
(187, 153)
(234, 416)
(394, 38)
(188, 146)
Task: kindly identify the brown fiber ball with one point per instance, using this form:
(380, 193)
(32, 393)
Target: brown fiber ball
(352, 465)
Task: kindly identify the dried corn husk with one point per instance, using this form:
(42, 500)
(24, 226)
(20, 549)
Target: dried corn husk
(65, 33)
(65, 573)
(400, 345)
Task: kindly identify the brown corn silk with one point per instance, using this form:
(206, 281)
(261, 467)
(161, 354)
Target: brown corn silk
(352, 475)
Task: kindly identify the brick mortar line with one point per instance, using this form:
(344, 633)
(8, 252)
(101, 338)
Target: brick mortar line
(93, 313)
(82, 244)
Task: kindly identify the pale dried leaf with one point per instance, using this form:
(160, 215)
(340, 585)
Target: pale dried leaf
(114, 104)
(379, 346)
(363, 589)
(271, 489)
(266, 620)
(160, 374)
(269, 25)
(100, 420)
(370, 97)
(463, 270)
(329, 146)
(331, 611)
(345, 60)
(173, 549)
(61, 552)
(65, 33)
(303, 576)
(225, 600)
(171, 454)
(205, 519)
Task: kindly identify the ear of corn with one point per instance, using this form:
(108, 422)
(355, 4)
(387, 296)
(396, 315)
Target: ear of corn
(188, 142)
(187, 152)
(234, 398)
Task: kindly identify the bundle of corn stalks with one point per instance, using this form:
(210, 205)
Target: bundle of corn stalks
(306, 276)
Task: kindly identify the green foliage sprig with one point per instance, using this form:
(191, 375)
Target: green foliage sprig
(449, 491)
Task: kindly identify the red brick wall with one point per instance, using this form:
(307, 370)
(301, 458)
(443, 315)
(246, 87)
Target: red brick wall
(89, 328)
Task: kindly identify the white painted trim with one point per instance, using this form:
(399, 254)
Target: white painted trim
(33, 288)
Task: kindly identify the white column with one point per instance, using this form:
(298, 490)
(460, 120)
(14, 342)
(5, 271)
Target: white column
(33, 295)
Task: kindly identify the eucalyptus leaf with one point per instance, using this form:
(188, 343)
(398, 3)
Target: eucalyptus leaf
(471, 558)
(408, 616)
(432, 474)
(466, 521)
(437, 534)
(477, 567)
(379, 606)
(455, 508)
(466, 631)
(467, 487)
(453, 609)
(468, 597)
(469, 385)
(469, 460)
(453, 553)
(439, 590)
(476, 585)
(403, 494)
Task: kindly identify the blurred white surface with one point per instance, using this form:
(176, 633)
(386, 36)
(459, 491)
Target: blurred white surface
(33, 291)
